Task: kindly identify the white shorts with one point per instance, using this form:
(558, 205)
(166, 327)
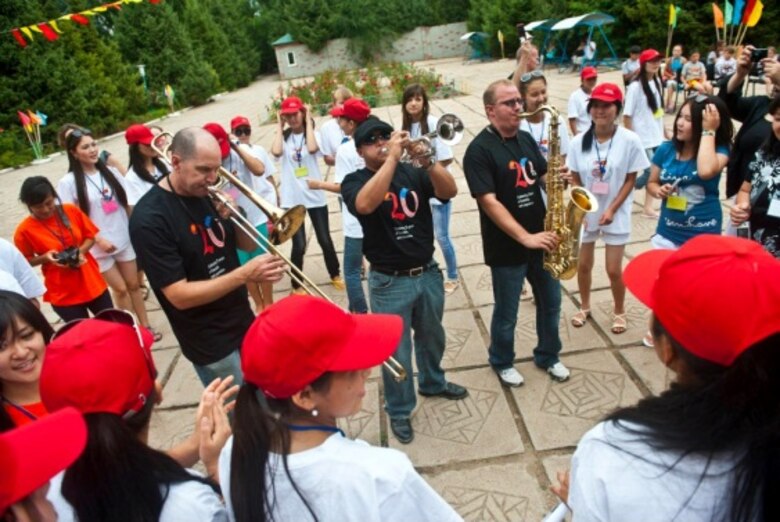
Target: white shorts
(590, 236)
(660, 242)
(126, 254)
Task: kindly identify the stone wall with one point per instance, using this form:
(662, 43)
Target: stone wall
(423, 43)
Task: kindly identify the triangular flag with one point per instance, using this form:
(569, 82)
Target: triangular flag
(748, 9)
(23, 118)
(739, 6)
(755, 16)
(154, 1)
(48, 32)
(717, 15)
(500, 36)
(33, 117)
(168, 91)
(27, 33)
(19, 38)
(729, 12)
(42, 117)
(53, 24)
(672, 15)
(80, 19)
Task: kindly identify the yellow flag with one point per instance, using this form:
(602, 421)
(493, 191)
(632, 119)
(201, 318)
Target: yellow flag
(755, 16)
(53, 24)
(672, 15)
(500, 36)
(27, 32)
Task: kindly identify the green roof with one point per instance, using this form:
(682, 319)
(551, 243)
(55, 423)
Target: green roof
(286, 39)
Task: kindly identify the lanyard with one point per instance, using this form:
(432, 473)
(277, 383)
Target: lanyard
(60, 237)
(316, 427)
(541, 132)
(602, 166)
(21, 409)
(105, 193)
(299, 148)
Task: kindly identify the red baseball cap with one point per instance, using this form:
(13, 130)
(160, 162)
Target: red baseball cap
(299, 338)
(99, 366)
(216, 130)
(32, 454)
(648, 55)
(354, 108)
(139, 134)
(692, 291)
(291, 105)
(607, 92)
(239, 121)
(588, 72)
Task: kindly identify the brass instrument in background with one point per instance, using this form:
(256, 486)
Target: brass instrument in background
(289, 222)
(421, 151)
(565, 222)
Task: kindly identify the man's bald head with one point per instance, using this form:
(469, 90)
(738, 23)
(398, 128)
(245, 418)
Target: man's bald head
(189, 140)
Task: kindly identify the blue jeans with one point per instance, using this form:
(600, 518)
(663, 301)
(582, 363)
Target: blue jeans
(420, 302)
(507, 285)
(353, 265)
(230, 365)
(441, 229)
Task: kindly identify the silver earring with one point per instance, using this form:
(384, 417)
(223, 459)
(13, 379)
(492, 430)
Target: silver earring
(314, 412)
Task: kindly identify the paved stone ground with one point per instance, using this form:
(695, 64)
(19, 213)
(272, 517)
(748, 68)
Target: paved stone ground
(493, 455)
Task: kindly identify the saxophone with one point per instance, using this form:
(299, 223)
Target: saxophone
(564, 221)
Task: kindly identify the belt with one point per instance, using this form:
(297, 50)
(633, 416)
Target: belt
(407, 272)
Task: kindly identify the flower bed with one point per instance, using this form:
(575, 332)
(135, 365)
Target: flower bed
(378, 85)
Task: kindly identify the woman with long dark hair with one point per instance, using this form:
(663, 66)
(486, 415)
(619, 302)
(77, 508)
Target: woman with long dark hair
(297, 149)
(418, 121)
(644, 113)
(119, 477)
(100, 193)
(146, 168)
(287, 459)
(708, 448)
(24, 333)
(58, 237)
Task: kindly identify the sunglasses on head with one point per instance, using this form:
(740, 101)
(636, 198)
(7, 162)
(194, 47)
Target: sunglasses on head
(371, 140)
(698, 98)
(242, 131)
(527, 77)
(77, 134)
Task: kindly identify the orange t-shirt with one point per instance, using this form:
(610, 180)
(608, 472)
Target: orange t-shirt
(20, 418)
(64, 286)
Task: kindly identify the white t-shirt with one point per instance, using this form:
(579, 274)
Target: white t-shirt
(629, 66)
(608, 484)
(293, 187)
(262, 184)
(541, 134)
(724, 67)
(347, 162)
(16, 274)
(578, 108)
(443, 151)
(189, 500)
(332, 137)
(234, 164)
(624, 155)
(649, 126)
(348, 481)
(114, 225)
(590, 50)
(137, 187)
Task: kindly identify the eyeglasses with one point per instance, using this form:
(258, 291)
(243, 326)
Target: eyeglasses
(511, 103)
(527, 77)
(114, 315)
(374, 138)
(242, 131)
(698, 98)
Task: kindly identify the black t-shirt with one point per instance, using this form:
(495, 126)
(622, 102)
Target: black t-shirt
(399, 233)
(751, 112)
(510, 169)
(194, 244)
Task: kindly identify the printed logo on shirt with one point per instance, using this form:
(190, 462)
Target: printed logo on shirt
(526, 174)
(208, 236)
(400, 210)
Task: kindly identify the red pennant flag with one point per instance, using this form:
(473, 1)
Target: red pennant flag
(23, 118)
(80, 19)
(748, 10)
(19, 38)
(48, 32)
(154, 1)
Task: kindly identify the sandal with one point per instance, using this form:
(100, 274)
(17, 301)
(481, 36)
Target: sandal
(580, 318)
(145, 292)
(647, 340)
(156, 334)
(619, 324)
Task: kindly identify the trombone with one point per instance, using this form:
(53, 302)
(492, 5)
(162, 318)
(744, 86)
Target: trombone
(292, 219)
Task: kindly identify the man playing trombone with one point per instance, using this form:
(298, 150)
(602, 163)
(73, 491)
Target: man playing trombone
(390, 199)
(187, 247)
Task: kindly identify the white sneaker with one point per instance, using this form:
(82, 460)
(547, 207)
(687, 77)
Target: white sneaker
(558, 372)
(510, 377)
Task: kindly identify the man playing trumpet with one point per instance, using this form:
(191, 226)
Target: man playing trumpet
(187, 247)
(390, 199)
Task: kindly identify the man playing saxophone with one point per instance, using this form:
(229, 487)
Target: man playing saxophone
(504, 170)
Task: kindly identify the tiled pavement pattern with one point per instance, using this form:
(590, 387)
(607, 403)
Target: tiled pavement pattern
(493, 455)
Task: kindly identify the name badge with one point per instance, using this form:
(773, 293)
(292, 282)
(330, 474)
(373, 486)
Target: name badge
(301, 172)
(659, 113)
(109, 205)
(677, 203)
(600, 187)
(774, 208)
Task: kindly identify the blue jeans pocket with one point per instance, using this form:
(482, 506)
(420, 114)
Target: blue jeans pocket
(378, 281)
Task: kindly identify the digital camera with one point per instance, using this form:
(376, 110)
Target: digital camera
(68, 257)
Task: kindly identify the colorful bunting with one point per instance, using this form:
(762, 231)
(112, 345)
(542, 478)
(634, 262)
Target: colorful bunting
(19, 38)
(48, 32)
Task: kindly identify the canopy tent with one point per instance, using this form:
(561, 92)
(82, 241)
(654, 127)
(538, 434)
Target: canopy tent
(544, 26)
(592, 22)
(479, 45)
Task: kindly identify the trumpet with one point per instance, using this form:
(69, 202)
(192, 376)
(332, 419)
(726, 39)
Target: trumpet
(292, 219)
(421, 151)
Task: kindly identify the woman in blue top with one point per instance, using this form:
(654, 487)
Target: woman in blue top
(685, 172)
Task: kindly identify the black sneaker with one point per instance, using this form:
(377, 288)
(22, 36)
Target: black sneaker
(402, 429)
(451, 391)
